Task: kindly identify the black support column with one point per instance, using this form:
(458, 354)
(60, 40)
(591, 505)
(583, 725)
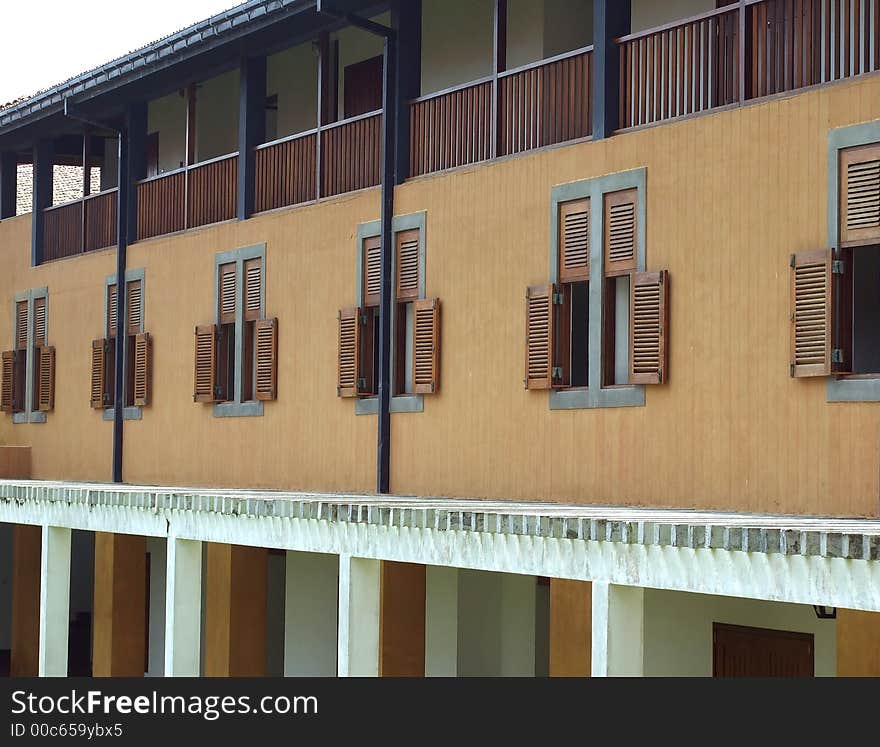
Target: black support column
(136, 128)
(251, 129)
(42, 195)
(8, 184)
(611, 20)
(406, 18)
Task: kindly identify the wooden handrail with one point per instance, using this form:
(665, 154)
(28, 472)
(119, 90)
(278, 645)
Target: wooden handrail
(92, 196)
(350, 120)
(680, 22)
(547, 61)
(287, 139)
(452, 89)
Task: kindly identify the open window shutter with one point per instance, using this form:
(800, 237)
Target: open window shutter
(426, 346)
(574, 241)
(98, 388)
(811, 313)
(649, 322)
(372, 270)
(143, 369)
(349, 353)
(860, 194)
(226, 294)
(111, 311)
(7, 382)
(21, 320)
(135, 307)
(539, 336)
(253, 289)
(39, 322)
(206, 364)
(408, 265)
(267, 359)
(621, 231)
(47, 379)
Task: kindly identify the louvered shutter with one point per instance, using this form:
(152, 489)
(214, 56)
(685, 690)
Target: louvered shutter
(621, 231)
(46, 399)
(205, 389)
(266, 384)
(21, 321)
(111, 311)
(135, 307)
(253, 290)
(811, 313)
(39, 322)
(98, 385)
(407, 272)
(539, 336)
(348, 384)
(426, 346)
(649, 324)
(226, 294)
(143, 369)
(574, 241)
(860, 194)
(372, 262)
(7, 382)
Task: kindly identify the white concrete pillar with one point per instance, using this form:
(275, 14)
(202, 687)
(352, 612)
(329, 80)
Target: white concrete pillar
(158, 563)
(518, 595)
(54, 601)
(312, 598)
(441, 621)
(618, 631)
(183, 611)
(360, 583)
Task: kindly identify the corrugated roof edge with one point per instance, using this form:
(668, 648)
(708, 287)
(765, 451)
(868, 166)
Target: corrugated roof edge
(189, 37)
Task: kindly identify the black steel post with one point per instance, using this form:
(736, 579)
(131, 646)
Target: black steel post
(8, 184)
(611, 20)
(121, 304)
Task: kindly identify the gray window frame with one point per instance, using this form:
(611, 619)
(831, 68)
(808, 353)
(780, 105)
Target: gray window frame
(134, 412)
(595, 395)
(30, 415)
(237, 408)
(843, 389)
(403, 402)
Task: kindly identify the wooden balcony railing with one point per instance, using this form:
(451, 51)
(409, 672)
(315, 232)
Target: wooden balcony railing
(533, 106)
(82, 226)
(704, 62)
(193, 196)
(351, 154)
(286, 172)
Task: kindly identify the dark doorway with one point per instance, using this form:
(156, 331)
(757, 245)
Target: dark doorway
(756, 652)
(363, 87)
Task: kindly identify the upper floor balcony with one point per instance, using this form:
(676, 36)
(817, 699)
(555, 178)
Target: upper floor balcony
(478, 80)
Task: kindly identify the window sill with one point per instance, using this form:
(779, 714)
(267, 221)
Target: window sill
(128, 413)
(591, 399)
(238, 410)
(24, 417)
(402, 403)
(850, 389)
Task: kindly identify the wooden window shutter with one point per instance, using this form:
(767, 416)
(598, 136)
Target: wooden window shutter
(97, 397)
(39, 322)
(266, 384)
(372, 261)
(860, 194)
(348, 383)
(540, 336)
(426, 346)
(205, 389)
(7, 382)
(811, 313)
(111, 310)
(226, 294)
(135, 307)
(21, 322)
(143, 369)
(253, 289)
(574, 241)
(649, 324)
(46, 399)
(621, 231)
(408, 265)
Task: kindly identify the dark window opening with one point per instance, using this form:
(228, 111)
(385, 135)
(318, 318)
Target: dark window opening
(226, 363)
(110, 373)
(864, 308)
(18, 380)
(248, 363)
(129, 371)
(403, 349)
(579, 320)
(615, 332)
(369, 353)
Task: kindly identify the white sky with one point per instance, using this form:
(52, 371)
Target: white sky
(49, 41)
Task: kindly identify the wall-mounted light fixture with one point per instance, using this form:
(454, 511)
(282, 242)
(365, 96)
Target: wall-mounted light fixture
(825, 613)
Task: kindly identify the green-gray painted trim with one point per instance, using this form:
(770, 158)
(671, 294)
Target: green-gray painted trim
(847, 390)
(29, 415)
(128, 413)
(405, 402)
(597, 396)
(136, 273)
(237, 408)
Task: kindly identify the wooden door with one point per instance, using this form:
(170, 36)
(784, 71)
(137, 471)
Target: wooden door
(363, 87)
(756, 652)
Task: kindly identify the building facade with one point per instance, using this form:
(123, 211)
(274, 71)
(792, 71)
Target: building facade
(623, 259)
